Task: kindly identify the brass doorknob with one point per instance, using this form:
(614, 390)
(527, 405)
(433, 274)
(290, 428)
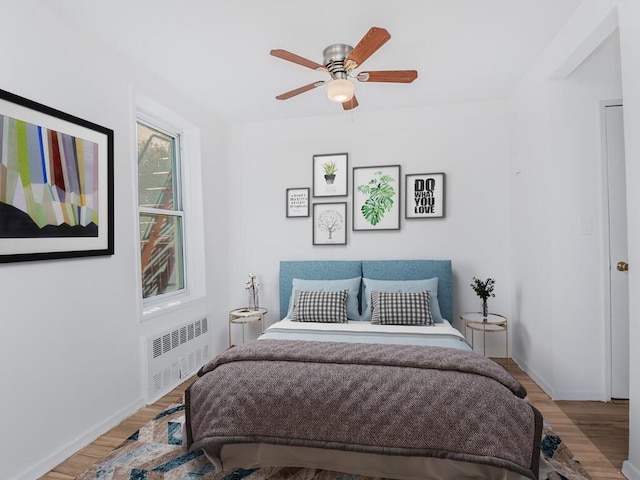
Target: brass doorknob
(622, 266)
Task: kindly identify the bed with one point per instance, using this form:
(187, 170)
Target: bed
(365, 374)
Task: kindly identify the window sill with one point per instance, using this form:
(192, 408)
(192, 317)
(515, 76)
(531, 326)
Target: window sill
(154, 309)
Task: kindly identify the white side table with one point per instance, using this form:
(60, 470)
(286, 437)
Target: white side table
(243, 316)
(495, 323)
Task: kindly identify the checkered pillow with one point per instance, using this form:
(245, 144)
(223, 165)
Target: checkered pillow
(325, 307)
(401, 308)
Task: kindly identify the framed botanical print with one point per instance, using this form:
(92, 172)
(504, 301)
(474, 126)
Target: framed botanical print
(376, 198)
(330, 223)
(425, 195)
(330, 175)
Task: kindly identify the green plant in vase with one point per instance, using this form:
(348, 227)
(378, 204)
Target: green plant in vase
(484, 289)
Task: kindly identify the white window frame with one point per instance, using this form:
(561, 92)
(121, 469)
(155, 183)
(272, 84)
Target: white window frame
(177, 135)
(190, 184)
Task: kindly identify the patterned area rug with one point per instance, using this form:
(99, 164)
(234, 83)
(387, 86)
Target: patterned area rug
(155, 452)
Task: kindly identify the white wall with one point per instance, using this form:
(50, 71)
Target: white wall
(468, 142)
(560, 263)
(556, 137)
(629, 18)
(531, 247)
(70, 360)
(580, 257)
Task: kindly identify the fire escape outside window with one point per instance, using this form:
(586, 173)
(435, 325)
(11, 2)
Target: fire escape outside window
(161, 215)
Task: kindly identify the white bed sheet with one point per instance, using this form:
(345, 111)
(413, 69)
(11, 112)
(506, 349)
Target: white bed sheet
(440, 334)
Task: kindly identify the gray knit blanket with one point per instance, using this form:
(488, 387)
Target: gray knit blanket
(385, 399)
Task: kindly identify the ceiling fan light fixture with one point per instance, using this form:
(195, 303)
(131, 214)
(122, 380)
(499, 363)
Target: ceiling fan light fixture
(340, 61)
(340, 90)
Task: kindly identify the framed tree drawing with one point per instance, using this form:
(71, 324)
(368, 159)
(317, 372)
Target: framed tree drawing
(376, 198)
(330, 223)
(297, 202)
(425, 195)
(56, 183)
(330, 175)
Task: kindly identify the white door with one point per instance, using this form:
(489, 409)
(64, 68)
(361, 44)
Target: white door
(614, 137)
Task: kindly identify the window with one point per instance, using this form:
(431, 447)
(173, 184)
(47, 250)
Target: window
(160, 210)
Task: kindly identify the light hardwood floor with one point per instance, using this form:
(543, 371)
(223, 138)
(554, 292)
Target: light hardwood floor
(596, 432)
(601, 463)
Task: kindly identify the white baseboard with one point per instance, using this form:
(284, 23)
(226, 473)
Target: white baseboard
(55, 459)
(542, 383)
(630, 471)
(580, 395)
(558, 394)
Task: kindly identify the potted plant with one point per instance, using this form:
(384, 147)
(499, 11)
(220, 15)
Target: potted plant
(330, 169)
(484, 289)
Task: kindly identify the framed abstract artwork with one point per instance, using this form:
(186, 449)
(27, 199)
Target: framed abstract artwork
(376, 198)
(297, 202)
(330, 223)
(425, 195)
(330, 175)
(56, 183)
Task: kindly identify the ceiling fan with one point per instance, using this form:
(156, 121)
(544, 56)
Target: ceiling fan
(340, 61)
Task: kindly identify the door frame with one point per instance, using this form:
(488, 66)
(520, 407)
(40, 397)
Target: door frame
(608, 361)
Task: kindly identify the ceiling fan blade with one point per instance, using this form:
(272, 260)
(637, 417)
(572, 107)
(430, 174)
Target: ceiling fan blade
(350, 104)
(299, 90)
(292, 57)
(396, 76)
(372, 41)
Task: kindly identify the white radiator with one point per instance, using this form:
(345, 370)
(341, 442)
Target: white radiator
(174, 355)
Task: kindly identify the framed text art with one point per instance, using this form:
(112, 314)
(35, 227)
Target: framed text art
(297, 202)
(376, 198)
(330, 175)
(425, 195)
(56, 183)
(330, 223)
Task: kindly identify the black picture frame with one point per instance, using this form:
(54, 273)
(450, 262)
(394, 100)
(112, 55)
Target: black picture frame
(57, 190)
(425, 195)
(298, 202)
(379, 209)
(333, 185)
(329, 223)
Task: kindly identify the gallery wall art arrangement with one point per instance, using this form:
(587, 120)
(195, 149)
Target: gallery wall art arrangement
(377, 198)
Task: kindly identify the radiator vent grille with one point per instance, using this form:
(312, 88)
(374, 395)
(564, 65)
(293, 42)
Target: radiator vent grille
(174, 339)
(176, 354)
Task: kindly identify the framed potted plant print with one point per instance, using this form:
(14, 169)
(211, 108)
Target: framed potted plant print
(330, 223)
(297, 202)
(376, 198)
(56, 183)
(425, 195)
(330, 175)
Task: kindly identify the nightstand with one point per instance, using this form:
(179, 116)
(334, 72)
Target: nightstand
(495, 323)
(243, 316)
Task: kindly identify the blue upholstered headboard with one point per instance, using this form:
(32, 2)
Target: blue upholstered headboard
(375, 269)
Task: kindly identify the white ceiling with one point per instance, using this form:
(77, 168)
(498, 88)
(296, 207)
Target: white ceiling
(217, 51)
